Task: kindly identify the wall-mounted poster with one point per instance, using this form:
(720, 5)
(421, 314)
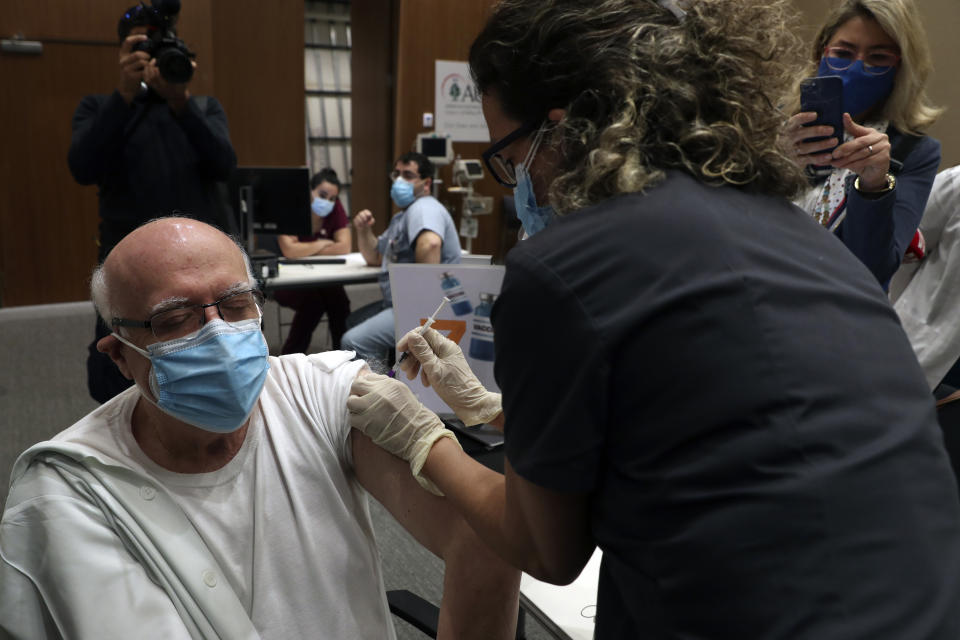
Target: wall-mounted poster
(457, 108)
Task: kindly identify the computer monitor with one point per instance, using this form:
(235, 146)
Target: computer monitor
(437, 147)
(271, 200)
(474, 169)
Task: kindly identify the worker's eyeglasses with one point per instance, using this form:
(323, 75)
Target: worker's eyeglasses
(502, 169)
(875, 63)
(409, 176)
(181, 321)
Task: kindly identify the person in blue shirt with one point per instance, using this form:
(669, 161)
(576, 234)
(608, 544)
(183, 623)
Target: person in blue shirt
(872, 189)
(422, 231)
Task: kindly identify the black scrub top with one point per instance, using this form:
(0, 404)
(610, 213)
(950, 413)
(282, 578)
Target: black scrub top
(732, 389)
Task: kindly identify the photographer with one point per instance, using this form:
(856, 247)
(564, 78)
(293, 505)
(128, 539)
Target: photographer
(150, 147)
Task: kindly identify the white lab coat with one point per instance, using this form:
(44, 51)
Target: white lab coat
(926, 295)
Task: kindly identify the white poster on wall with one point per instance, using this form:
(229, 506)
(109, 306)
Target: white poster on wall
(457, 108)
(417, 289)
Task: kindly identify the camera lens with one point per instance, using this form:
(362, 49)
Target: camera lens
(174, 66)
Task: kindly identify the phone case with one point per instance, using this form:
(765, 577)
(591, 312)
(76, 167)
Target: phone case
(824, 96)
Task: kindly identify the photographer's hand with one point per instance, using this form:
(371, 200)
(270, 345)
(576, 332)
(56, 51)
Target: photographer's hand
(176, 94)
(132, 67)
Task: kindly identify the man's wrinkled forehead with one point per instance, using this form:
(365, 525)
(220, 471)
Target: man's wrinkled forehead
(154, 258)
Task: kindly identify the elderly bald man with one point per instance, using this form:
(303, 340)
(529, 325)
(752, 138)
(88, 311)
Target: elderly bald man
(223, 495)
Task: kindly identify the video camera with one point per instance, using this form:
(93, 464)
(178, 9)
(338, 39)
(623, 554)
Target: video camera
(174, 59)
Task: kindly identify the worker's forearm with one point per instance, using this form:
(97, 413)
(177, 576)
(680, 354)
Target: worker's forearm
(479, 494)
(367, 243)
(304, 249)
(334, 248)
(480, 590)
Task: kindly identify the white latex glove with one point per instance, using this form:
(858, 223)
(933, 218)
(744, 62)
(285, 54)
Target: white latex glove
(386, 410)
(447, 371)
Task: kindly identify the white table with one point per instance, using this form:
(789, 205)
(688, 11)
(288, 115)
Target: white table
(291, 275)
(566, 612)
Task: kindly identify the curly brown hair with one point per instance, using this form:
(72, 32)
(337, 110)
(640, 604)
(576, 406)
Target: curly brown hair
(645, 91)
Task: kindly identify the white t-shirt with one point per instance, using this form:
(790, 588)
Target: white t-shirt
(286, 519)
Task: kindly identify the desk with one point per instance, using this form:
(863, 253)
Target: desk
(566, 612)
(297, 276)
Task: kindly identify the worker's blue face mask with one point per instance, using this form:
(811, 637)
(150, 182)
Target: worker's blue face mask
(211, 378)
(861, 90)
(533, 218)
(321, 206)
(402, 193)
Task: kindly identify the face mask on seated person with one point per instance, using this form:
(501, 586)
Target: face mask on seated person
(861, 90)
(211, 378)
(402, 193)
(321, 206)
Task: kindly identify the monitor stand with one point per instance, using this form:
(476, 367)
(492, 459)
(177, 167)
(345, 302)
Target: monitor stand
(246, 218)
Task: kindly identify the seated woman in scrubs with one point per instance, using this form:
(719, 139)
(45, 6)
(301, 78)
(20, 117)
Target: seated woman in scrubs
(331, 236)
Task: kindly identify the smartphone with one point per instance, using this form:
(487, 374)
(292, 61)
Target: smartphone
(824, 96)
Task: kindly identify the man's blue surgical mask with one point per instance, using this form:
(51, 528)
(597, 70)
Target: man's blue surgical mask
(533, 218)
(402, 193)
(211, 378)
(861, 90)
(321, 206)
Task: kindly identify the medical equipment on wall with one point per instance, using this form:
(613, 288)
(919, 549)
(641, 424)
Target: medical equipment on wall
(465, 173)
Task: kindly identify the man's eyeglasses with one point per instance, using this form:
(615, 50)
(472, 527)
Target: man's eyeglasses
(499, 167)
(181, 321)
(875, 63)
(409, 176)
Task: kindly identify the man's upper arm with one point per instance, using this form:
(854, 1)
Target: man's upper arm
(426, 221)
(388, 479)
(428, 248)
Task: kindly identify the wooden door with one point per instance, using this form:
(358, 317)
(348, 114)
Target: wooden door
(48, 223)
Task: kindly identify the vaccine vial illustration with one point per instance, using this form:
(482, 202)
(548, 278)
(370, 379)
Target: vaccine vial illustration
(454, 290)
(481, 338)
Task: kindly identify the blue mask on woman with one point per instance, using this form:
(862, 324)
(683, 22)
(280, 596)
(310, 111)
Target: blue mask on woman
(402, 193)
(533, 218)
(321, 206)
(212, 378)
(861, 90)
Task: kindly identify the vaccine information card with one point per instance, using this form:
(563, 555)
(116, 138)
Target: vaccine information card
(417, 289)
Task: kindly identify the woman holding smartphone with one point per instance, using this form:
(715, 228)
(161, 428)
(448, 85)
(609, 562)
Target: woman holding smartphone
(869, 183)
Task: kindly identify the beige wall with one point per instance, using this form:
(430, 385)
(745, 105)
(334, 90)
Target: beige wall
(942, 21)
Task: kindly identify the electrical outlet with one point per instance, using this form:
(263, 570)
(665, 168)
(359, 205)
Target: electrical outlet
(428, 120)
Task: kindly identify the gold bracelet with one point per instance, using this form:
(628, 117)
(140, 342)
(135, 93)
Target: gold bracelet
(891, 183)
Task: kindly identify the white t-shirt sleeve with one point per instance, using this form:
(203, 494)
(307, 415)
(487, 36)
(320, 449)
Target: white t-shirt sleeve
(333, 373)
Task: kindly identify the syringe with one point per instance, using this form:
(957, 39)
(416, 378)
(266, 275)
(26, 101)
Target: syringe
(426, 325)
